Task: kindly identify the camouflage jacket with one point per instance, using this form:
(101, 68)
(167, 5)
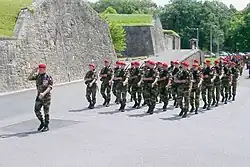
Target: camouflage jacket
(184, 75)
(208, 74)
(109, 72)
(226, 75)
(135, 76)
(235, 74)
(196, 76)
(218, 73)
(121, 73)
(43, 81)
(90, 76)
(150, 75)
(164, 77)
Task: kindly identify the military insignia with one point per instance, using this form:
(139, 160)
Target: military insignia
(45, 82)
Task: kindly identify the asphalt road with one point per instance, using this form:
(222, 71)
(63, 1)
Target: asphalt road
(104, 137)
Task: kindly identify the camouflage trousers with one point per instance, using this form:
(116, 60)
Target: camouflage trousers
(136, 93)
(114, 88)
(206, 93)
(233, 88)
(45, 103)
(195, 97)
(216, 89)
(164, 94)
(91, 93)
(174, 91)
(183, 93)
(225, 90)
(121, 93)
(105, 91)
(149, 94)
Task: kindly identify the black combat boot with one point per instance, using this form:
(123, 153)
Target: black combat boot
(225, 102)
(46, 124)
(205, 106)
(181, 113)
(116, 101)
(92, 105)
(214, 102)
(135, 105)
(233, 98)
(123, 107)
(222, 100)
(41, 125)
(138, 104)
(164, 108)
(209, 107)
(217, 104)
(229, 98)
(185, 113)
(148, 110)
(196, 110)
(151, 109)
(105, 102)
(192, 109)
(45, 128)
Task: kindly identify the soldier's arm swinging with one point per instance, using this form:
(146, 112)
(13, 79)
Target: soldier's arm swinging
(31, 76)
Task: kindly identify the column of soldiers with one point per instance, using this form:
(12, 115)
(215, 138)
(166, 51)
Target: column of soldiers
(181, 82)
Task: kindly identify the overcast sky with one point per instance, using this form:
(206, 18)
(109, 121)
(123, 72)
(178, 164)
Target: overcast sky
(239, 4)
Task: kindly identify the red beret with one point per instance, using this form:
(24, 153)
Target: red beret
(225, 62)
(132, 63)
(106, 61)
(151, 62)
(136, 63)
(122, 63)
(184, 64)
(92, 65)
(41, 66)
(164, 64)
(176, 62)
(196, 61)
(216, 62)
(117, 62)
(208, 61)
(195, 65)
(159, 62)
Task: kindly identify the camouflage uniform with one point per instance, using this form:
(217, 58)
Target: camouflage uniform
(150, 92)
(174, 86)
(91, 89)
(121, 92)
(195, 91)
(105, 85)
(43, 81)
(130, 84)
(170, 70)
(235, 76)
(207, 85)
(164, 78)
(183, 90)
(114, 85)
(136, 93)
(225, 84)
(216, 89)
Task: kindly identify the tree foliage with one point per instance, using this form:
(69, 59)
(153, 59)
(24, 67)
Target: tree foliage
(117, 32)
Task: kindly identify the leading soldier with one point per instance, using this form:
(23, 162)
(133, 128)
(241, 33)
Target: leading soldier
(44, 83)
(114, 84)
(106, 75)
(90, 80)
(235, 78)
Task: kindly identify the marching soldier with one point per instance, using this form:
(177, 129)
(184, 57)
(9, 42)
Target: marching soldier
(44, 83)
(150, 78)
(159, 69)
(106, 75)
(183, 78)
(175, 85)
(164, 84)
(90, 80)
(121, 77)
(134, 78)
(170, 69)
(196, 88)
(207, 84)
(217, 83)
(235, 78)
(225, 82)
(114, 85)
(129, 82)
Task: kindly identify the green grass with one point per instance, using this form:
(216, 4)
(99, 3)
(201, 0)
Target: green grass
(131, 19)
(170, 32)
(8, 13)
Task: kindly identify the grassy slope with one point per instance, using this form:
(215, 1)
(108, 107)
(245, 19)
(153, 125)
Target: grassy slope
(8, 12)
(131, 19)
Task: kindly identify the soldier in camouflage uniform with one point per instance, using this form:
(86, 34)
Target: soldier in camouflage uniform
(196, 88)
(175, 85)
(149, 79)
(44, 83)
(170, 70)
(226, 81)
(121, 77)
(235, 78)
(164, 82)
(134, 78)
(183, 78)
(159, 69)
(217, 84)
(90, 80)
(106, 75)
(207, 84)
(129, 82)
(114, 85)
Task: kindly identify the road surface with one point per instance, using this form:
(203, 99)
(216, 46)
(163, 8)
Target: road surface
(104, 137)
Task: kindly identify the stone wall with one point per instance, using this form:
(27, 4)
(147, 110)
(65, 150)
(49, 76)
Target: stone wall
(172, 42)
(138, 41)
(64, 34)
(198, 55)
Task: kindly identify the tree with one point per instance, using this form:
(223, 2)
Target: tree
(117, 32)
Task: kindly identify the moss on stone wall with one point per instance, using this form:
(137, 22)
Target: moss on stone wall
(131, 19)
(8, 13)
(171, 32)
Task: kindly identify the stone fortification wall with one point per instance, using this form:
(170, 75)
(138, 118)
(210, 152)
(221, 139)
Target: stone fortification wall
(64, 34)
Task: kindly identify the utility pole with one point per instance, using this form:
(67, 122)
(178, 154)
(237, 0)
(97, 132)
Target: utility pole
(211, 40)
(197, 36)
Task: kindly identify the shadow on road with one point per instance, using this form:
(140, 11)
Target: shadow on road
(20, 134)
(87, 109)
